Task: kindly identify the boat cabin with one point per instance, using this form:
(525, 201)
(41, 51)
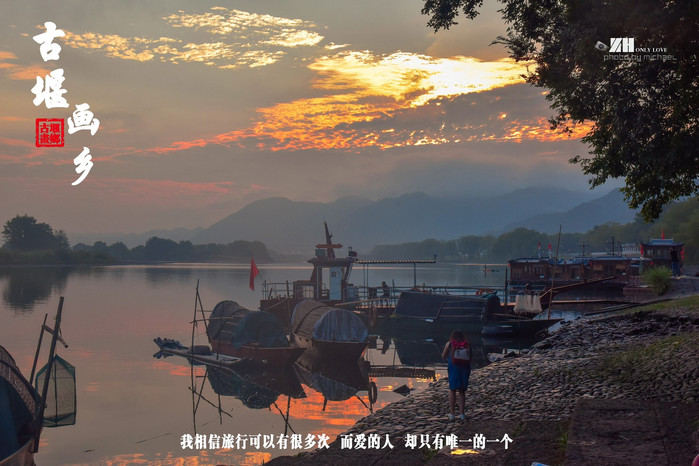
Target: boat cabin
(329, 281)
(535, 270)
(658, 251)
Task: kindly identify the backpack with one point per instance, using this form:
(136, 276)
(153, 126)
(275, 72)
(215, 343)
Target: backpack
(460, 353)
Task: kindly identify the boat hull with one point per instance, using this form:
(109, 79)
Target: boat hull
(472, 314)
(517, 327)
(22, 457)
(342, 350)
(280, 356)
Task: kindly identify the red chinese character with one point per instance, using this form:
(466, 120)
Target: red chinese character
(49, 132)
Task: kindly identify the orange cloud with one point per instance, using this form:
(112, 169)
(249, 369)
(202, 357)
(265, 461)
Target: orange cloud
(20, 72)
(366, 93)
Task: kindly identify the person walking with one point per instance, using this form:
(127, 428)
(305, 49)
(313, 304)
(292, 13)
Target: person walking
(457, 352)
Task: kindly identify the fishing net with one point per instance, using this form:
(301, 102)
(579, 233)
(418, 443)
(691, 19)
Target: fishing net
(60, 399)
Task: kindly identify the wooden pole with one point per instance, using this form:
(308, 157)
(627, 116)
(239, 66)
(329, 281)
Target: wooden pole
(553, 275)
(507, 269)
(38, 348)
(49, 367)
(191, 366)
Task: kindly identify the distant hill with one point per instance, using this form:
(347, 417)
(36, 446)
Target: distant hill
(609, 208)
(290, 226)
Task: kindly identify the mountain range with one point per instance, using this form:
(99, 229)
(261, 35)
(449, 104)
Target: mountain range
(295, 227)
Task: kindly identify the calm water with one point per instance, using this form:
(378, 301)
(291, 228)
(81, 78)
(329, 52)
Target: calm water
(134, 409)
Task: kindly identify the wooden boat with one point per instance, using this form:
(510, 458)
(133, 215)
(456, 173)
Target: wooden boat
(18, 414)
(23, 410)
(236, 331)
(329, 331)
(195, 354)
(516, 326)
(468, 313)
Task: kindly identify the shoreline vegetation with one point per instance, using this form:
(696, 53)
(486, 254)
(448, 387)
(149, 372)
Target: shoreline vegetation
(28, 242)
(628, 361)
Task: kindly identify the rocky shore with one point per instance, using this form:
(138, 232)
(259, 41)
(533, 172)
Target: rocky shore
(651, 354)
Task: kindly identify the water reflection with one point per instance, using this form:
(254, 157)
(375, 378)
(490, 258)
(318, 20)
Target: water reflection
(255, 388)
(335, 382)
(114, 312)
(394, 362)
(25, 287)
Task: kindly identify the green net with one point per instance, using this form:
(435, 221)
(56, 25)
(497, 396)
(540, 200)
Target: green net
(61, 396)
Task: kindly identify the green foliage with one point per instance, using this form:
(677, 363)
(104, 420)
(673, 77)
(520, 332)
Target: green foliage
(658, 278)
(516, 243)
(643, 113)
(166, 250)
(23, 233)
(679, 221)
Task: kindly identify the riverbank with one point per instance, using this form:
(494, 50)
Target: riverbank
(644, 357)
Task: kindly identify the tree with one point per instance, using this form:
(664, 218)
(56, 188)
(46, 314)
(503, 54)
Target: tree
(23, 233)
(642, 106)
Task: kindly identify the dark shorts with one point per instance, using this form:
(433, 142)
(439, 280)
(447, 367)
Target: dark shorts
(458, 376)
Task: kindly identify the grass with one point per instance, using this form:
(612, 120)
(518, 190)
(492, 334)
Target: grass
(691, 302)
(658, 278)
(562, 441)
(627, 365)
(428, 454)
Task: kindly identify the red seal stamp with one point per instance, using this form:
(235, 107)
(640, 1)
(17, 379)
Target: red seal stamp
(49, 132)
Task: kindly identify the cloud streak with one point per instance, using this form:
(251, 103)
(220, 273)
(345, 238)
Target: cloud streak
(19, 72)
(397, 100)
(241, 39)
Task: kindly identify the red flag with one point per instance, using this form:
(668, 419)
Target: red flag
(662, 234)
(539, 246)
(253, 273)
(549, 246)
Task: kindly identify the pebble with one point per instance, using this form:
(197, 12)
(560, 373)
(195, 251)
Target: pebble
(543, 383)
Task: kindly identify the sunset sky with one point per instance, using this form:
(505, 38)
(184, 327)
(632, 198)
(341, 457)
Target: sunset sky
(206, 106)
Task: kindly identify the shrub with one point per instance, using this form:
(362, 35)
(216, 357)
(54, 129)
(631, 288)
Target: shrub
(658, 278)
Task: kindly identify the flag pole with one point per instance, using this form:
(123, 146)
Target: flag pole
(553, 275)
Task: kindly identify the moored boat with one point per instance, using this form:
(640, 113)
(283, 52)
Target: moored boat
(329, 331)
(18, 414)
(482, 314)
(23, 410)
(240, 332)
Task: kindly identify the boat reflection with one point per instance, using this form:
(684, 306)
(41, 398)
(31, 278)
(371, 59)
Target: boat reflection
(337, 382)
(256, 389)
(317, 386)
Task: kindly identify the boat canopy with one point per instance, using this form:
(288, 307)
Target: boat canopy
(231, 323)
(314, 320)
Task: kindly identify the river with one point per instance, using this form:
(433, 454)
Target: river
(133, 408)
